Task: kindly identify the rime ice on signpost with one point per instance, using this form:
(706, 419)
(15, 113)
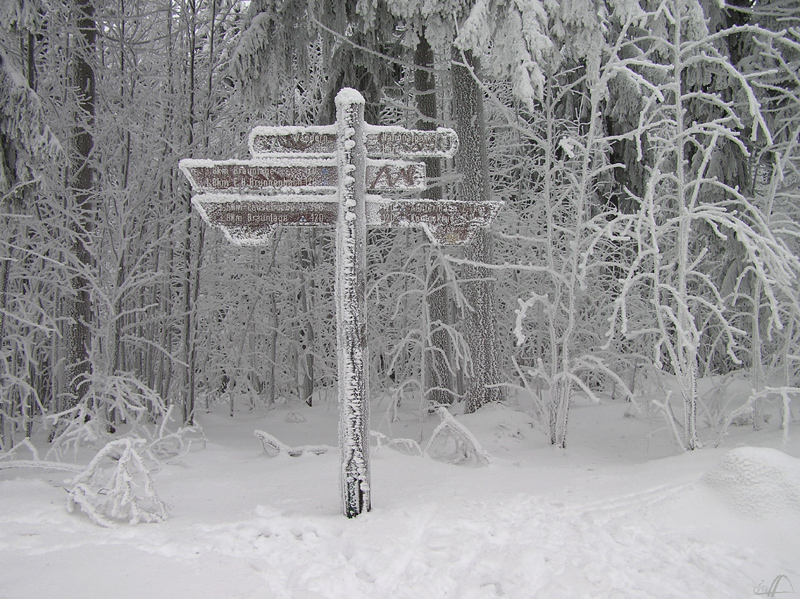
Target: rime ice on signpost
(351, 326)
(333, 176)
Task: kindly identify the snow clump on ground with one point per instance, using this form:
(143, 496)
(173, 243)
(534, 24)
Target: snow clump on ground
(754, 481)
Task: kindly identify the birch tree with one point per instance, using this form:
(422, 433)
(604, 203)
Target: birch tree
(557, 181)
(685, 205)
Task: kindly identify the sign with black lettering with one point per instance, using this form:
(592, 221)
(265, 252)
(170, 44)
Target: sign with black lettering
(337, 176)
(248, 220)
(243, 176)
(270, 142)
(380, 142)
(446, 222)
(397, 142)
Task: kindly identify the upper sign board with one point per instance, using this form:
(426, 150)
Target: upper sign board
(292, 141)
(396, 142)
(380, 142)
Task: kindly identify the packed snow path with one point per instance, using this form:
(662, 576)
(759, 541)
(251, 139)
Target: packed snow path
(537, 522)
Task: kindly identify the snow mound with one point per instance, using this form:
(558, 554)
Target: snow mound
(757, 482)
(498, 425)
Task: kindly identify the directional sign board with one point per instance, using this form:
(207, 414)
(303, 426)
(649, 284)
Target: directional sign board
(396, 142)
(446, 222)
(380, 142)
(349, 175)
(246, 176)
(249, 220)
(242, 176)
(272, 142)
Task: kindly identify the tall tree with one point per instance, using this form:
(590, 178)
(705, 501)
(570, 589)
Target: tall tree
(479, 289)
(82, 176)
(30, 156)
(439, 381)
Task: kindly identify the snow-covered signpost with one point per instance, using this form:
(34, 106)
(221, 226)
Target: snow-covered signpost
(334, 176)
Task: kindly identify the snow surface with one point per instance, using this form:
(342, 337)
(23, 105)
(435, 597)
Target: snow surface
(615, 515)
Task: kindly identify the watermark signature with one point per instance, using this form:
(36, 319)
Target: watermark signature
(781, 585)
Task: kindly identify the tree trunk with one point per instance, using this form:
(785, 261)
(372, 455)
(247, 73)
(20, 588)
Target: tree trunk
(78, 333)
(479, 287)
(438, 378)
(306, 309)
(188, 305)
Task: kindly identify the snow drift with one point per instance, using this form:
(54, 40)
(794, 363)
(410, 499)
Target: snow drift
(755, 481)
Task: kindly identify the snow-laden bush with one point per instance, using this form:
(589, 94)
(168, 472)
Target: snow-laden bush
(116, 485)
(501, 426)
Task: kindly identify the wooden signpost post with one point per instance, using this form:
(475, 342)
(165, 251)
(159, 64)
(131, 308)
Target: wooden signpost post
(334, 176)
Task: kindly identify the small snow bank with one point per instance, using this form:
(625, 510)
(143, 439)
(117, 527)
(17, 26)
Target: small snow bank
(757, 482)
(499, 426)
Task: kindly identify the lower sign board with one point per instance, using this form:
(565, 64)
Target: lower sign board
(249, 220)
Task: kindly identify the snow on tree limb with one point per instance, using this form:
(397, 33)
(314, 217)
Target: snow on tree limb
(125, 493)
(467, 447)
(272, 445)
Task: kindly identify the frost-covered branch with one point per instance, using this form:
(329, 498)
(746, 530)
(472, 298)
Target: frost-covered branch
(273, 447)
(467, 449)
(123, 492)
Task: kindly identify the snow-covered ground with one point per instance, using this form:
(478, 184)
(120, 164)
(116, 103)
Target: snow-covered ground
(618, 514)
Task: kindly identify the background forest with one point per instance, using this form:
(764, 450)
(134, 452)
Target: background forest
(646, 151)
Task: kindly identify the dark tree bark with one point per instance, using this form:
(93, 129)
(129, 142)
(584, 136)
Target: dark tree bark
(479, 287)
(78, 332)
(438, 379)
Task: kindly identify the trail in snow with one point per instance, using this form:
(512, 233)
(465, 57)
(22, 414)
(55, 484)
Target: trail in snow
(536, 523)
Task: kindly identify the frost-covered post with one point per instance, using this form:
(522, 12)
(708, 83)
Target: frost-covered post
(319, 177)
(351, 327)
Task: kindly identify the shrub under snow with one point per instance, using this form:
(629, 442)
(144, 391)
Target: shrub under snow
(123, 492)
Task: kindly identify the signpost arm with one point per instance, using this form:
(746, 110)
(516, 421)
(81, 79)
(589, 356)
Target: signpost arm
(351, 265)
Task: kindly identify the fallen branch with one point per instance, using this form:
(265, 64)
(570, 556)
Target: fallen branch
(405, 446)
(8, 461)
(41, 465)
(273, 447)
(467, 447)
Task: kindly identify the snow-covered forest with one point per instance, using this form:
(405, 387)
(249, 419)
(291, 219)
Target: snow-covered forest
(647, 153)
